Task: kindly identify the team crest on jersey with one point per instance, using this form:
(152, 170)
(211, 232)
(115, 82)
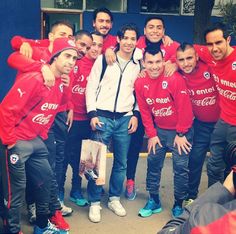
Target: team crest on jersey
(234, 66)
(61, 88)
(164, 84)
(75, 69)
(207, 75)
(14, 158)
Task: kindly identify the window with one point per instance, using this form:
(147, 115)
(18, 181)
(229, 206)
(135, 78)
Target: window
(160, 6)
(118, 5)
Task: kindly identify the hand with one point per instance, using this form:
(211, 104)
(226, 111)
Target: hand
(170, 68)
(93, 122)
(69, 120)
(110, 56)
(48, 76)
(133, 125)
(167, 41)
(11, 146)
(142, 73)
(182, 144)
(65, 80)
(152, 144)
(229, 184)
(26, 50)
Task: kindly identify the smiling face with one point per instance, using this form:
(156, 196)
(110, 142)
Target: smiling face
(65, 61)
(218, 46)
(154, 30)
(102, 23)
(128, 42)
(83, 44)
(96, 47)
(154, 64)
(187, 60)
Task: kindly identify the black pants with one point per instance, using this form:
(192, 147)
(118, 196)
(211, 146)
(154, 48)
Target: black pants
(56, 146)
(32, 156)
(222, 135)
(79, 131)
(134, 150)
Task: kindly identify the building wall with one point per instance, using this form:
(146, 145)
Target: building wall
(17, 18)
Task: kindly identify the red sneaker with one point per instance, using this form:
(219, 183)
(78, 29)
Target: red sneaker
(58, 220)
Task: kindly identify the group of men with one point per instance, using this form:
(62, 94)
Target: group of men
(95, 85)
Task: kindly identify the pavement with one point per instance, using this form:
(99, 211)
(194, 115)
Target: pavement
(130, 224)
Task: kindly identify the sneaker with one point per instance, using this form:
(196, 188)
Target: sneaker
(78, 199)
(65, 210)
(116, 207)
(50, 229)
(177, 211)
(59, 221)
(130, 192)
(150, 208)
(31, 213)
(95, 212)
(188, 202)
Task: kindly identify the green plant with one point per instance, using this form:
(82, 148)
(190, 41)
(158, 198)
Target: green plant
(228, 13)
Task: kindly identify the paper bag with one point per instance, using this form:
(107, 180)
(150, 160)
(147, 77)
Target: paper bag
(93, 161)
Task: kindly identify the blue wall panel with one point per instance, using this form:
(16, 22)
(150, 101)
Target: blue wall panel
(17, 18)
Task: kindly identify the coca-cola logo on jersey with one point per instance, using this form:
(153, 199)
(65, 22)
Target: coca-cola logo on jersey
(227, 94)
(162, 112)
(78, 89)
(42, 119)
(207, 101)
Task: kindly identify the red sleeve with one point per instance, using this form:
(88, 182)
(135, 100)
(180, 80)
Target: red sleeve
(182, 102)
(171, 52)
(144, 110)
(203, 53)
(24, 64)
(13, 104)
(17, 41)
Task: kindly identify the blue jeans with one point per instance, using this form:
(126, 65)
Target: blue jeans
(180, 165)
(222, 135)
(117, 131)
(201, 143)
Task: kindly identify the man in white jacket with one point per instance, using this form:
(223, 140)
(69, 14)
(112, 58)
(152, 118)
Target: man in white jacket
(110, 104)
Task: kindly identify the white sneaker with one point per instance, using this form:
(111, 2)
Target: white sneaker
(116, 207)
(65, 210)
(95, 212)
(32, 213)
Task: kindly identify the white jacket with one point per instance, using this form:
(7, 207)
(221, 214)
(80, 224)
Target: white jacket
(115, 93)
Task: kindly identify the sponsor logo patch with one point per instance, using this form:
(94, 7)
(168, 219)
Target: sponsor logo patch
(14, 158)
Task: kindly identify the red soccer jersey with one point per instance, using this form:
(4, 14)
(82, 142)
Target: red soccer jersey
(166, 101)
(109, 42)
(224, 74)
(169, 52)
(84, 66)
(29, 108)
(203, 93)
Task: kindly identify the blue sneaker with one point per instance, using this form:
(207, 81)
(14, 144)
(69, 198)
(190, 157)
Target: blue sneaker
(50, 229)
(177, 211)
(78, 198)
(150, 208)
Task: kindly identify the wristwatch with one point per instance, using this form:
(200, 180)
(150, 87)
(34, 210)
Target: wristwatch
(180, 134)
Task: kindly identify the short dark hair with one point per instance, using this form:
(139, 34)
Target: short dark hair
(81, 33)
(96, 33)
(62, 22)
(125, 27)
(103, 10)
(217, 26)
(184, 46)
(152, 50)
(154, 18)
